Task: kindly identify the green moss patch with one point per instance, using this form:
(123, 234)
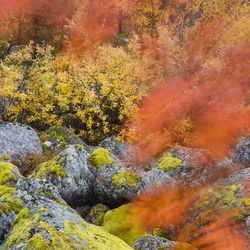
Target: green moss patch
(168, 163)
(126, 180)
(117, 222)
(22, 226)
(50, 167)
(100, 157)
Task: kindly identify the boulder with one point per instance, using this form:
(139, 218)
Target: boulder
(46, 222)
(115, 147)
(158, 243)
(57, 138)
(18, 142)
(119, 182)
(9, 205)
(71, 173)
(187, 166)
(241, 153)
(117, 222)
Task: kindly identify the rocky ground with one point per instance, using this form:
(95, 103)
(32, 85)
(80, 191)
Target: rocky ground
(79, 198)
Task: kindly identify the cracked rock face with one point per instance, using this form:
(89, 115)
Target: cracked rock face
(17, 142)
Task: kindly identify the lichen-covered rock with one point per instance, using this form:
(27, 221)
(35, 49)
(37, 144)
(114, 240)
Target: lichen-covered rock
(115, 147)
(115, 184)
(9, 205)
(45, 223)
(71, 173)
(96, 214)
(118, 183)
(241, 153)
(186, 164)
(158, 243)
(117, 222)
(56, 138)
(17, 142)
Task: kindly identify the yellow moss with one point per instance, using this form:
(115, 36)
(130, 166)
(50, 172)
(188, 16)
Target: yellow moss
(43, 210)
(22, 226)
(126, 180)
(7, 171)
(37, 242)
(17, 206)
(96, 237)
(99, 157)
(61, 240)
(117, 222)
(50, 167)
(99, 219)
(5, 157)
(168, 162)
(222, 197)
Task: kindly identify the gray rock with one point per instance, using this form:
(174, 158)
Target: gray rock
(71, 173)
(112, 193)
(115, 147)
(58, 138)
(9, 205)
(241, 153)
(119, 182)
(17, 142)
(158, 243)
(240, 178)
(46, 222)
(194, 168)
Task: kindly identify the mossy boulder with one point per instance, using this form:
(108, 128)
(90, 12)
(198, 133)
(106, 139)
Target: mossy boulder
(57, 138)
(45, 223)
(158, 243)
(18, 142)
(119, 182)
(118, 222)
(71, 172)
(115, 184)
(188, 166)
(9, 204)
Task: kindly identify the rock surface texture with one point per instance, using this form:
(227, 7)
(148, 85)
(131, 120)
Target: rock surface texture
(17, 142)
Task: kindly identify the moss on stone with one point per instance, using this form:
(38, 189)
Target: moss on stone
(99, 219)
(21, 228)
(100, 157)
(37, 242)
(43, 210)
(126, 180)
(8, 180)
(222, 197)
(95, 237)
(168, 163)
(50, 167)
(5, 157)
(117, 222)
(16, 206)
(61, 240)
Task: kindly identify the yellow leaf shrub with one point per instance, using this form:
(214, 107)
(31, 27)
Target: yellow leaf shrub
(92, 95)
